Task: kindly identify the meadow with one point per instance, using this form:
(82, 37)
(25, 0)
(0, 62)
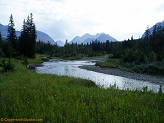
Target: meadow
(55, 99)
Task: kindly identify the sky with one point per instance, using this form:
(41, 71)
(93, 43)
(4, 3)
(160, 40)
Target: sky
(65, 19)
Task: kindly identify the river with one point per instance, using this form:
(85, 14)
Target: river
(71, 68)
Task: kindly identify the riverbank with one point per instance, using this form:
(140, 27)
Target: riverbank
(118, 72)
(54, 98)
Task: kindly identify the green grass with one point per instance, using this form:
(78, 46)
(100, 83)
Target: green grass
(37, 59)
(156, 68)
(152, 68)
(55, 99)
(110, 63)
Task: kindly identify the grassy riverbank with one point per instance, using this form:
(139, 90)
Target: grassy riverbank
(154, 68)
(25, 94)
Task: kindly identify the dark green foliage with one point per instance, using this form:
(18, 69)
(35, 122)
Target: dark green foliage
(76, 51)
(152, 57)
(1, 53)
(149, 49)
(6, 66)
(11, 38)
(110, 63)
(11, 45)
(9, 48)
(0, 41)
(28, 38)
(135, 56)
(46, 48)
(1, 46)
(160, 90)
(149, 69)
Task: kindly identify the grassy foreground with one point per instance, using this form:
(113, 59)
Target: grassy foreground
(55, 99)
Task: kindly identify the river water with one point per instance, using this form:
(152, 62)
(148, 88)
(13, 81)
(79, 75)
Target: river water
(71, 68)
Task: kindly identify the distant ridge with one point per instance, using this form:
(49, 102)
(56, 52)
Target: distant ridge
(87, 38)
(60, 43)
(152, 28)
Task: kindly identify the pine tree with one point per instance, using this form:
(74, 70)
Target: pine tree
(1, 45)
(0, 41)
(66, 47)
(28, 38)
(32, 36)
(147, 34)
(10, 46)
(23, 38)
(107, 46)
(11, 37)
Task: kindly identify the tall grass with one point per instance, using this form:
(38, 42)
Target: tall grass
(110, 63)
(154, 68)
(25, 94)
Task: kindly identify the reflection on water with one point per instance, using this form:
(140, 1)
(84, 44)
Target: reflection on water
(70, 68)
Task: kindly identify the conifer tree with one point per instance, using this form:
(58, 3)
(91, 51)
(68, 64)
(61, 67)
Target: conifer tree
(23, 38)
(0, 41)
(147, 34)
(0, 44)
(28, 38)
(11, 37)
(32, 36)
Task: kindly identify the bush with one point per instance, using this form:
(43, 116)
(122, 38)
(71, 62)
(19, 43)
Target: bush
(149, 69)
(44, 59)
(152, 57)
(6, 66)
(1, 53)
(110, 63)
(135, 56)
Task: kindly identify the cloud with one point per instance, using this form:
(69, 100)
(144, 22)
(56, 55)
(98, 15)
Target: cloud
(58, 30)
(64, 19)
(160, 8)
(58, 0)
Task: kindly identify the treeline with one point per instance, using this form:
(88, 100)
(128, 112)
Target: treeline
(24, 45)
(73, 50)
(148, 49)
(143, 50)
(138, 51)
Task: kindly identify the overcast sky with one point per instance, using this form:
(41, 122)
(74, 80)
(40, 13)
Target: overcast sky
(65, 19)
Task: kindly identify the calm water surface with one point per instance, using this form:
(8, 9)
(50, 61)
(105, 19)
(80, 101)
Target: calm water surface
(70, 68)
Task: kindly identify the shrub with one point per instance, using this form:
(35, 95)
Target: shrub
(1, 53)
(149, 69)
(110, 63)
(6, 66)
(152, 57)
(135, 56)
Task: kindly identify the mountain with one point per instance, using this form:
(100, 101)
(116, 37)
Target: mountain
(104, 37)
(87, 38)
(152, 28)
(4, 30)
(44, 37)
(92, 38)
(77, 40)
(60, 43)
(40, 35)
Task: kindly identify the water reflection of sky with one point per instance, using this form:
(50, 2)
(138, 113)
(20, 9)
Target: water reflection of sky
(70, 68)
